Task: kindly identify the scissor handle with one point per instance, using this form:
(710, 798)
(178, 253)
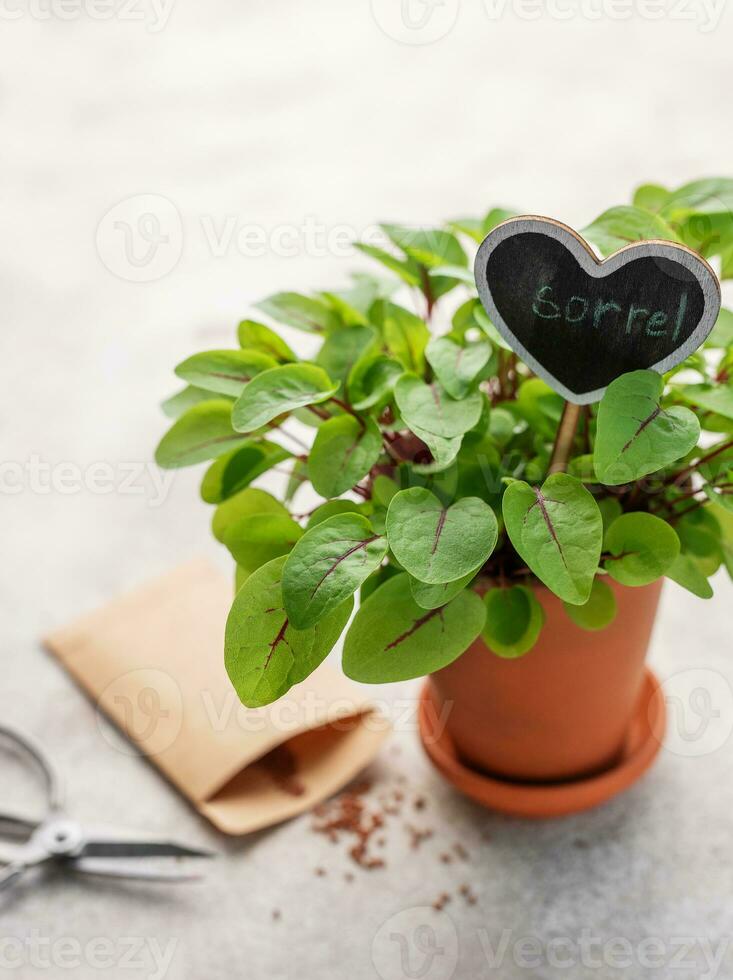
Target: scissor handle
(33, 752)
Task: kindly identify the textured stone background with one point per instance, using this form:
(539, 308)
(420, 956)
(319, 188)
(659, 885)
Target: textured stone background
(273, 116)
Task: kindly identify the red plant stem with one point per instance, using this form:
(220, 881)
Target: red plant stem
(703, 459)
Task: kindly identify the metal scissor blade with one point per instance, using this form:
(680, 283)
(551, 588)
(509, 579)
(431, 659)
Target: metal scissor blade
(139, 849)
(9, 875)
(16, 827)
(103, 870)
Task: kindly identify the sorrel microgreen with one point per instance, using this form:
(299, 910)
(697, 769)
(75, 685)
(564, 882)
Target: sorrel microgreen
(430, 444)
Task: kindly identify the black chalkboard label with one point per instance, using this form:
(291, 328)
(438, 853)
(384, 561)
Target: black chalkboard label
(579, 322)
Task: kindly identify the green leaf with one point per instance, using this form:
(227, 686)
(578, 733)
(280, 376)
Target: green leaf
(325, 635)
(557, 529)
(434, 596)
(262, 651)
(709, 195)
(405, 335)
(404, 269)
(244, 504)
(332, 508)
(328, 565)
(456, 367)
(260, 647)
(258, 538)
(224, 371)
(302, 312)
(634, 434)
(721, 497)
(342, 349)
(685, 572)
(343, 452)
(383, 489)
(189, 396)
(610, 509)
(713, 398)
(372, 380)
(598, 612)
(651, 197)
(257, 336)
(376, 579)
(722, 335)
(700, 536)
(438, 544)
(621, 225)
(392, 639)
(643, 548)
(280, 390)
(235, 471)
(203, 432)
(431, 247)
(430, 407)
(514, 620)
(443, 451)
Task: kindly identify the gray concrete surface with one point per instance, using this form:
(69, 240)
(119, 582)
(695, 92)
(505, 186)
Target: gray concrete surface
(290, 120)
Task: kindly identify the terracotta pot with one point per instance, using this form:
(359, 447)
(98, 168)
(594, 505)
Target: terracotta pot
(564, 709)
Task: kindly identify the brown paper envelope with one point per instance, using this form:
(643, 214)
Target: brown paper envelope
(153, 661)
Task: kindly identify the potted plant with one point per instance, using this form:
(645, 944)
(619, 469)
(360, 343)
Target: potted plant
(517, 563)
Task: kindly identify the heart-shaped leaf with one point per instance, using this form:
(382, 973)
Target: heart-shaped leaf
(343, 452)
(456, 367)
(327, 565)
(264, 655)
(224, 371)
(201, 433)
(231, 473)
(280, 390)
(430, 407)
(514, 620)
(244, 504)
(558, 530)
(598, 612)
(635, 435)
(642, 549)
(392, 639)
(438, 544)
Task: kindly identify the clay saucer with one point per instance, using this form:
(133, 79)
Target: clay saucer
(556, 799)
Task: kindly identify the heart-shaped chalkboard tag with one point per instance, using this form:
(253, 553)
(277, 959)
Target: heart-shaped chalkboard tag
(579, 322)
